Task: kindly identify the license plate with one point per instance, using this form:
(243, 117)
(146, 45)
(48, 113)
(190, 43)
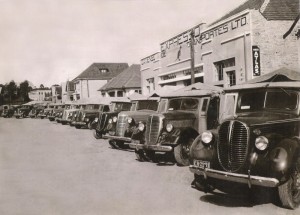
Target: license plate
(202, 164)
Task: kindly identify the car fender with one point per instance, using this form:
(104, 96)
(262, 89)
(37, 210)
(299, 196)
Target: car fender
(283, 156)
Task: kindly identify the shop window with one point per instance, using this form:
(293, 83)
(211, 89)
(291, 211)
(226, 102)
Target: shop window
(231, 78)
(221, 65)
(119, 93)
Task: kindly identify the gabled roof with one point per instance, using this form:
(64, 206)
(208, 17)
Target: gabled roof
(270, 9)
(94, 71)
(129, 78)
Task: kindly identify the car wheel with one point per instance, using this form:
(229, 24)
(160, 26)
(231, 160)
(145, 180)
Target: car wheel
(97, 135)
(42, 117)
(200, 183)
(140, 156)
(77, 126)
(182, 151)
(289, 192)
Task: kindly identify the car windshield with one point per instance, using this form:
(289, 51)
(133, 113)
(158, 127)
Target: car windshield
(278, 99)
(183, 104)
(92, 107)
(122, 106)
(147, 105)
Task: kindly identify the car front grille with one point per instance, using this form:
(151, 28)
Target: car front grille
(102, 121)
(121, 125)
(232, 146)
(153, 128)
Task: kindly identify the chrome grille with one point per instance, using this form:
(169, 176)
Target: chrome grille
(153, 128)
(233, 145)
(121, 125)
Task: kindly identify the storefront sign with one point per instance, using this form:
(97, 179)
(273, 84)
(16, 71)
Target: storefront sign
(149, 59)
(256, 60)
(184, 38)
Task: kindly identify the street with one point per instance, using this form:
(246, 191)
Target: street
(49, 168)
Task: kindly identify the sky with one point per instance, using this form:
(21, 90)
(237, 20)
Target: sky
(51, 41)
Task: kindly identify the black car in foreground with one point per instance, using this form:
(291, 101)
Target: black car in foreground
(258, 145)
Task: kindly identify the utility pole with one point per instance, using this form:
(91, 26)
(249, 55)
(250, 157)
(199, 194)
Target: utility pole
(192, 41)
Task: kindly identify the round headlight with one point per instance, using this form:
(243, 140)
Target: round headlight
(206, 137)
(115, 119)
(261, 143)
(96, 119)
(110, 121)
(169, 127)
(141, 126)
(129, 120)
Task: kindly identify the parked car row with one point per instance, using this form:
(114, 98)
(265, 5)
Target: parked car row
(242, 136)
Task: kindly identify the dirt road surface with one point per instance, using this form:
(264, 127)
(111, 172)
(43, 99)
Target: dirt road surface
(49, 168)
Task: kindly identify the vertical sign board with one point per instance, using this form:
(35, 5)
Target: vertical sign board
(256, 60)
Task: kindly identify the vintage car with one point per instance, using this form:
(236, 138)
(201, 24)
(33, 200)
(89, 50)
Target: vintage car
(117, 105)
(75, 114)
(85, 117)
(258, 145)
(57, 110)
(189, 111)
(121, 127)
(2, 108)
(23, 111)
(36, 110)
(67, 114)
(9, 110)
(60, 113)
(48, 110)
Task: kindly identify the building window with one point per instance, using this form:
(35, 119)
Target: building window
(231, 78)
(169, 76)
(111, 94)
(119, 93)
(138, 91)
(103, 94)
(221, 65)
(77, 96)
(103, 70)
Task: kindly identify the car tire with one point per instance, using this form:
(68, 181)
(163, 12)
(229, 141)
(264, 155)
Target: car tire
(181, 152)
(289, 192)
(97, 135)
(77, 126)
(140, 156)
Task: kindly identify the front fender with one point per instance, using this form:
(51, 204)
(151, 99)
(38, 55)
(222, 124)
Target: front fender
(199, 151)
(186, 134)
(283, 157)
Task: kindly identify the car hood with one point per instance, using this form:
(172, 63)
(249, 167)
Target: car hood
(138, 115)
(259, 118)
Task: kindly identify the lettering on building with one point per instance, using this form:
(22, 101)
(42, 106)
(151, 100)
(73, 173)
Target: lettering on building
(185, 37)
(148, 59)
(256, 60)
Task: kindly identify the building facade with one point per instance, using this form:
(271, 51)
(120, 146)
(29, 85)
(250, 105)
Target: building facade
(87, 84)
(243, 44)
(67, 91)
(40, 94)
(124, 84)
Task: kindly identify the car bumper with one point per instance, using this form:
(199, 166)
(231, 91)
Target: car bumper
(79, 123)
(235, 177)
(124, 139)
(135, 144)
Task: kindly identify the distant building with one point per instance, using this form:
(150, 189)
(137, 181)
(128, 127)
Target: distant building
(94, 77)
(56, 91)
(243, 44)
(68, 89)
(40, 94)
(124, 84)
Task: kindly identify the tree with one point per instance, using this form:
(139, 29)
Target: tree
(24, 90)
(11, 90)
(42, 86)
